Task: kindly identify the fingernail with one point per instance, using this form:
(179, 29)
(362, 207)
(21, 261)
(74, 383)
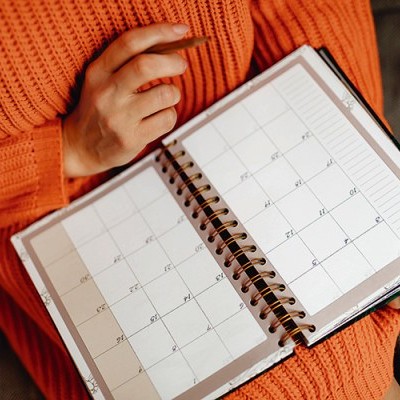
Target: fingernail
(180, 29)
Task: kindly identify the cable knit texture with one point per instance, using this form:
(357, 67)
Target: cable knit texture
(44, 49)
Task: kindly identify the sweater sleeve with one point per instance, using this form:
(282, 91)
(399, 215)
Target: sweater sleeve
(347, 30)
(31, 174)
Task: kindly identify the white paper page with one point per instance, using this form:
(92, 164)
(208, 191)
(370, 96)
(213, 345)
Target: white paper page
(307, 186)
(146, 296)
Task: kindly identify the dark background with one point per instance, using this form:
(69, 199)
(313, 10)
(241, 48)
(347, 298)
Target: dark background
(15, 383)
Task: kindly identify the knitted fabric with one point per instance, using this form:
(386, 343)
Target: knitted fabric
(44, 50)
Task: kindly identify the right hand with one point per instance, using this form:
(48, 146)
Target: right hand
(113, 122)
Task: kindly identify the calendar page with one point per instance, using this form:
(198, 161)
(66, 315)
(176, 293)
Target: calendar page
(298, 163)
(140, 301)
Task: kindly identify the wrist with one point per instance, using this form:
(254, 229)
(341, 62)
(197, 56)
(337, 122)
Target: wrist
(71, 164)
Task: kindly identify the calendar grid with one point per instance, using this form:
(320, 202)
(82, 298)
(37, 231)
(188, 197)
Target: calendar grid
(94, 275)
(329, 212)
(310, 224)
(340, 150)
(147, 296)
(110, 306)
(92, 237)
(275, 203)
(337, 251)
(342, 156)
(318, 262)
(118, 256)
(193, 298)
(263, 189)
(123, 256)
(305, 117)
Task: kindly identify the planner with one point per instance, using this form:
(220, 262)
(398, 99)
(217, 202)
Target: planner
(271, 219)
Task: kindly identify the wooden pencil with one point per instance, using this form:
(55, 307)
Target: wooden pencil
(165, 48)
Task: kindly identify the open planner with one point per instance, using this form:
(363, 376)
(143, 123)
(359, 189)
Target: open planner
(270, 220)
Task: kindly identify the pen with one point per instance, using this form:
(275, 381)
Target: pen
(164, 48)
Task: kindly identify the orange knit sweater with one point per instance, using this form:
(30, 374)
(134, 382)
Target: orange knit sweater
(44, 49)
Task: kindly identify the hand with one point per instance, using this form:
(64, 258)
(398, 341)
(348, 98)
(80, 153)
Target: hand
(395, 304)
(113, 122)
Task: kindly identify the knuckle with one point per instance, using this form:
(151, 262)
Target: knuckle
(143, 65)
(168, 95)
(179, 62)
(127, 41)
(99, 102)
(103, 97)
(109, 124)
(123, 142)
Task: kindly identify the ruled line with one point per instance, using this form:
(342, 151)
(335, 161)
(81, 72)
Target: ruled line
(373, 177)
(381, 197)
(366, 173)
(380, 188)
(337, 137)
(331, 129)
(357, 163)
(394, 205)
(345, 155)
(340, 144)
(389, 200)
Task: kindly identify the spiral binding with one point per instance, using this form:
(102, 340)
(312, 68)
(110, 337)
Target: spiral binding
(239, 254)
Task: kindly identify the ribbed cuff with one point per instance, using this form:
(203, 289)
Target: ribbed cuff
(47, 149)
(31, 175)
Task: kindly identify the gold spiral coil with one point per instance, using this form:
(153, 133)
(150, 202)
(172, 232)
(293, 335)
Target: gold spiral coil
(182, 168)
(234, 238)
(272, 307)
(221, 228)
(259, 295)
(204, 188)
(279, 321)
(214, 215)
(165, 148)
(173, 158)
(260, 276)
(249, 264)
(298, 329)
(237, 253)
(204, 204)
(187, 181)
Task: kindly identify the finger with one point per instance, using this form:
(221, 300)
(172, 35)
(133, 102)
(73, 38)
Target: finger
(135, 41)
(155, 99)
(145, 68)
(395, 304)
(153, 127)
